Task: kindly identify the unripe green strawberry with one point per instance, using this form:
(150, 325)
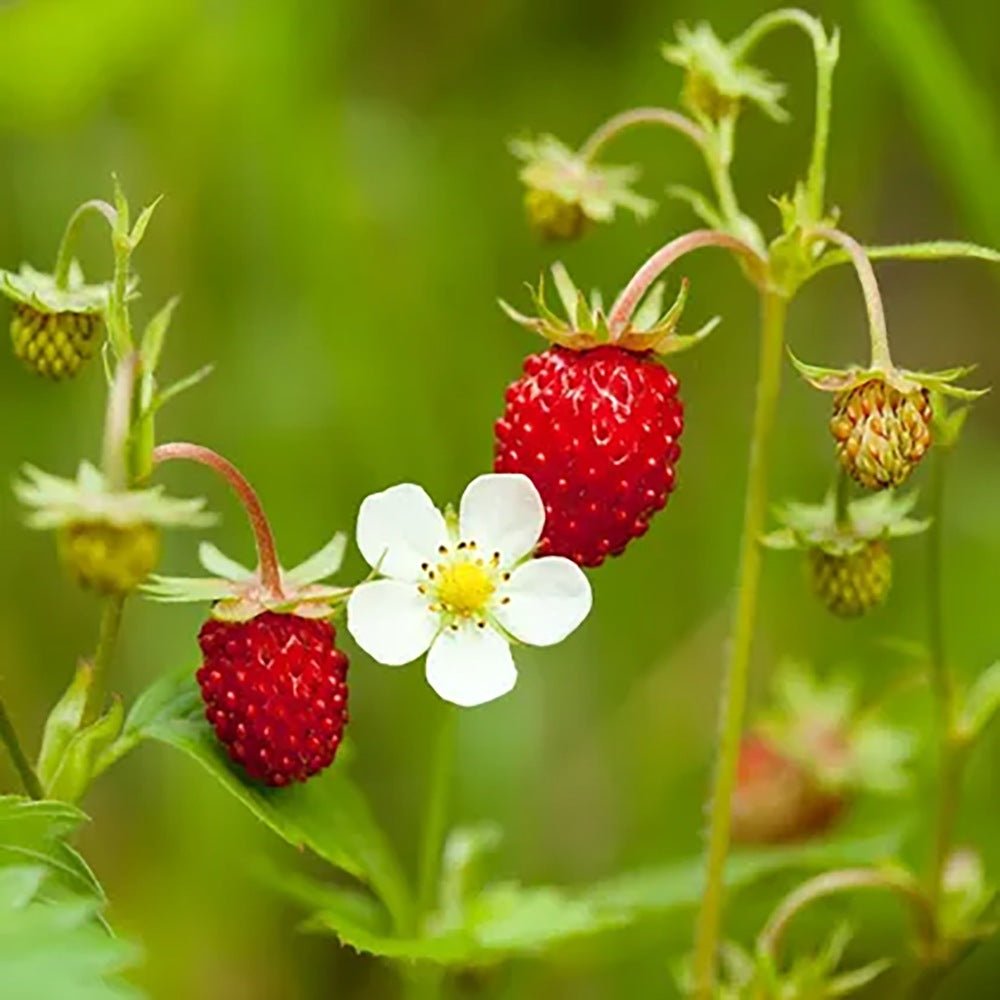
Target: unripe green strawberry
(55, 345)
(881, 432)
(552, 217)
(108, 539)
(55, 328)
(109, 558)
(852, 583)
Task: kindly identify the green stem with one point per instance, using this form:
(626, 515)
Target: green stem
(826, 51)
(64, 258)
(735, 681)
(436, 817)
(619, 123)
(107, 639)
(842, 497)
(881, 357)
(20, 759)
(951, 750)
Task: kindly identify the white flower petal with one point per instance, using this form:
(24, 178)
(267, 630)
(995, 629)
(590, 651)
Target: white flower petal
(471, 666)
(548, 599)
(398, 529)
(503, 513)
(390, 621)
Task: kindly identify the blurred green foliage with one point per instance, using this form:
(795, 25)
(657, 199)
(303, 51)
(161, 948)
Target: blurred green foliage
(341, 215)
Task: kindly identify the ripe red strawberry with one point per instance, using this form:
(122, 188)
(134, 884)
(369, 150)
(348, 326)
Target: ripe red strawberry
(597, 432)
(777, 799)
(275, 691)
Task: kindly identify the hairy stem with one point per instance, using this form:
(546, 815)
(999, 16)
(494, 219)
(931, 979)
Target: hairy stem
(631, 295)
(619, 123)
(118, 423)
(64, 258)
(951, 752)
(107, 640)
(826, 51)
(8, 734)
(869, 286)
(845, 880)
(267, 556)
(842, 496)
(735, 680)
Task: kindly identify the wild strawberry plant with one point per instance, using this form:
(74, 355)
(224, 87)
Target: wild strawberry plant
(586, 453)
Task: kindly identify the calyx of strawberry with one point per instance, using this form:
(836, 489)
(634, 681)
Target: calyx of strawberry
(595, 192)
(822, 727)
(238, 593)
(44, 294)
(872, 518)
(906, 382)
(651, 328)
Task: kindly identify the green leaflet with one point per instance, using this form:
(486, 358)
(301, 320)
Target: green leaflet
(327, 814)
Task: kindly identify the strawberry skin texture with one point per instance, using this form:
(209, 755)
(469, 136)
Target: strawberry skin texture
(275, 692)
(597, 433)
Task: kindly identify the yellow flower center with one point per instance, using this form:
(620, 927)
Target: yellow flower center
(463, 587)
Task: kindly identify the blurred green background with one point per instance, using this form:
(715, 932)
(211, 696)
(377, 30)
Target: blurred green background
(340, 217)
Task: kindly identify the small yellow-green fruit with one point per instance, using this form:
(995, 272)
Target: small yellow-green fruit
(109, 558)
(701, 95)
(851, 584)
(881, 433)
(552, 217)
(54, 344)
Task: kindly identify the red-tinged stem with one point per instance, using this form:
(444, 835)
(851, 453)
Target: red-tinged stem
(267, 556)
(901, 884)
(625, 305)
(869, 286)
(641, 116)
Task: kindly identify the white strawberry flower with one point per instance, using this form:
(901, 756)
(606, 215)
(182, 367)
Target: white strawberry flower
(461, 589)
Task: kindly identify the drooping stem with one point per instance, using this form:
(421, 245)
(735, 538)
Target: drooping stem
(64, 258)
(625, 304)
(951, 751)
(832, 883)
(107, 640)
(436, 816)
(619, 123)
(8, 734)
(735, 680)
(826, 51)
(270, 573)
(869, 286)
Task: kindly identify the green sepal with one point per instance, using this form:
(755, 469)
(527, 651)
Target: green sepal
(55, 502)
(39, 291)
(717, 80)
(873, 517)
(237, 594)
(75, 769)
(805, 713)
(907, 382)
(698, 203)
(586, 324)
(63, 723)
(947, 422)
(155, 335)
(550, 165)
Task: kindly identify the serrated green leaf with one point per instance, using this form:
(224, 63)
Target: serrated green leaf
(982, 702)
(33, 833)
(327, 814)
(56, 949)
